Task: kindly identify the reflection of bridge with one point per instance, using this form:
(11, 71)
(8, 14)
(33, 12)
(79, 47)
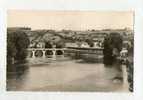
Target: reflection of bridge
(53, 52)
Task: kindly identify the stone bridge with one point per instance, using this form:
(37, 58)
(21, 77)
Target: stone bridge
(53, 52)
(45, 52)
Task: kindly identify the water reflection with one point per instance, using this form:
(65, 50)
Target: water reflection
(16, 75)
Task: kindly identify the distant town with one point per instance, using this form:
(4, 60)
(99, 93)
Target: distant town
(69, 38)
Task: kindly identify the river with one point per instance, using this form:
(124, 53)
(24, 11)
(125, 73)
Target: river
(67, 75)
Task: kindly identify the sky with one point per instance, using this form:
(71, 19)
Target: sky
(70, 20)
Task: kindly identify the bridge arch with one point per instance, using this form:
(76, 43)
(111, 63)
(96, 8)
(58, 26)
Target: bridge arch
(48, 53)
(38, 53)
(59, 52)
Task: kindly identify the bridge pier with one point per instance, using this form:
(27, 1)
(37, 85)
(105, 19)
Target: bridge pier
(33, 54)
(44, 54)
(54, 54)
(63, 52)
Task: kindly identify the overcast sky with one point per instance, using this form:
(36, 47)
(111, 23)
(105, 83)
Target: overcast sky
(70, 20)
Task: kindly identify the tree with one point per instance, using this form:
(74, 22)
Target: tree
(48, 44)
(17, 44)
(51, 40)
(11, 48)
(113, 41)
(90, 42)
(60, 44)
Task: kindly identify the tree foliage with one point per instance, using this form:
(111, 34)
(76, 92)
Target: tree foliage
(53, 40)
(111, 42)
(17, 43)
(90, 42)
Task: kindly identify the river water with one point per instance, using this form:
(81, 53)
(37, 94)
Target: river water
(67, 75)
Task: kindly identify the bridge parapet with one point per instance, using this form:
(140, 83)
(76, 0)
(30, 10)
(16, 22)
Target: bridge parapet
(87, 50)
(44, 49)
